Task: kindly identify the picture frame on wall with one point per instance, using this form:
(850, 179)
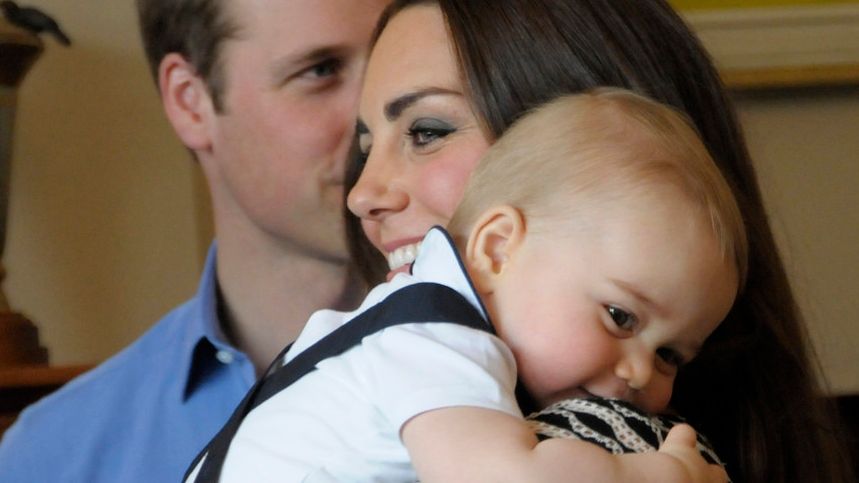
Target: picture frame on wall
(779, 43)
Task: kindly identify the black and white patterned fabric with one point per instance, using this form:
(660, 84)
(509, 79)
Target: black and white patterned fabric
(613, 424)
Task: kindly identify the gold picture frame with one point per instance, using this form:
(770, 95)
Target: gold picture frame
(797, 45)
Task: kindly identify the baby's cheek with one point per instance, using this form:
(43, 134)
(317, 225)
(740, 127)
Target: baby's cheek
(547, 376)
(657, 396)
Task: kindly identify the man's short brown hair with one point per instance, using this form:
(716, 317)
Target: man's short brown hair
(195, 29)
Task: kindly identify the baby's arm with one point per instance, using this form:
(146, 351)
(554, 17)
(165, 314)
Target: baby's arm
(473, 444)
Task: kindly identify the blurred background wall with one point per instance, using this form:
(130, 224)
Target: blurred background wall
(805, 145)
(102, 233)
(108, 225)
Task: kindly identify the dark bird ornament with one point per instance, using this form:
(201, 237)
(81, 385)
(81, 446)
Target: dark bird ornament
(33, 20)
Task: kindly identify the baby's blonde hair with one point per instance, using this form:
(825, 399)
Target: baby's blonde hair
(608, 141)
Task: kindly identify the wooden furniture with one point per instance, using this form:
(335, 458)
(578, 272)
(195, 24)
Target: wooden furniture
(24, 374)
(24, 385)
(19, 49)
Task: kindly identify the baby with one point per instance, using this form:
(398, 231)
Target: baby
(596, 248)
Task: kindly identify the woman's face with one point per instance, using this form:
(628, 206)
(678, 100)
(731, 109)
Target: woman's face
(418, 132)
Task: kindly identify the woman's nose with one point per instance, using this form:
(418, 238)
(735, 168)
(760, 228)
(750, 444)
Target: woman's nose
(636, 368)
(376, 194)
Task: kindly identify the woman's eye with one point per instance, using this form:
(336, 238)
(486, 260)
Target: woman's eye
(623, 319)
(426, 131)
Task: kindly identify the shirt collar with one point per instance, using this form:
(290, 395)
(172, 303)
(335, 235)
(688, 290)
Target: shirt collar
(206, 322)
(439, 261)
(203, 336)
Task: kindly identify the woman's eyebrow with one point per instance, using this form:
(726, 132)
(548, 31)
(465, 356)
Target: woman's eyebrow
(394, 108)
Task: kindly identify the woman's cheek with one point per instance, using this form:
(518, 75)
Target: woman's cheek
(446, 181)
(372, 231)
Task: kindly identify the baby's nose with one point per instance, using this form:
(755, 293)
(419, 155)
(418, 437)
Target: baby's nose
(636, 369)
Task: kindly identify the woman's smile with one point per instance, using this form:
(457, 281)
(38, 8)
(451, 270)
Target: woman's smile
(403, 255)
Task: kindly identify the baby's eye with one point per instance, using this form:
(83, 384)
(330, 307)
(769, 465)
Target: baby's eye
(624, 320)
(670, 357)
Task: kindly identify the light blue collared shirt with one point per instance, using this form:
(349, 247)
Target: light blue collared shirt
(144, 414)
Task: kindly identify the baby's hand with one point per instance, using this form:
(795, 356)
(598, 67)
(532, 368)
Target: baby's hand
(680, 444)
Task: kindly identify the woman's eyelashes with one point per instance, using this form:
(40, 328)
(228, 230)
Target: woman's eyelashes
(424, 132)
(422, 135)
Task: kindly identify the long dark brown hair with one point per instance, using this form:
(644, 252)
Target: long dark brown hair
(752, 390)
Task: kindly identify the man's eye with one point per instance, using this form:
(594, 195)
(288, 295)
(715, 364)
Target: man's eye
(623, 319)
(325, 68)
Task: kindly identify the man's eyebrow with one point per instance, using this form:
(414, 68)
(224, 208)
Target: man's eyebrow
(394, 108)
(287, 63)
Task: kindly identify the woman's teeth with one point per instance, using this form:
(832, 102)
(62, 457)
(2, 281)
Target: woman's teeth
(403, 255)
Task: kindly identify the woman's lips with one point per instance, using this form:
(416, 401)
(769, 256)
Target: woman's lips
(400, 259)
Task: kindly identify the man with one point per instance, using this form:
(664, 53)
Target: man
(263, 93)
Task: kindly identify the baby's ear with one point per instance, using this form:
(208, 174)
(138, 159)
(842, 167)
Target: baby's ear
(494, 239)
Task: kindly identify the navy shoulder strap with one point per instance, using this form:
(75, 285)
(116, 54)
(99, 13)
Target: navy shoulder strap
(421, 302)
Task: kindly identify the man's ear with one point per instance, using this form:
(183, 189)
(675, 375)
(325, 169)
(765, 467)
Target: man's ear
(494, 240)
(186, 101)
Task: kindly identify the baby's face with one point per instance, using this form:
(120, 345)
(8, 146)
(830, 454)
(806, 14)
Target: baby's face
(613, 306)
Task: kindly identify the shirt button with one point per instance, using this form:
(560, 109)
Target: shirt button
(226, 357)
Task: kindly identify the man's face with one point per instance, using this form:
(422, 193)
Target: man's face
(293, 74)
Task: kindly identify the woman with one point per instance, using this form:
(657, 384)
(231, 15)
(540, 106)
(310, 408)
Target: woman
(446, 84)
